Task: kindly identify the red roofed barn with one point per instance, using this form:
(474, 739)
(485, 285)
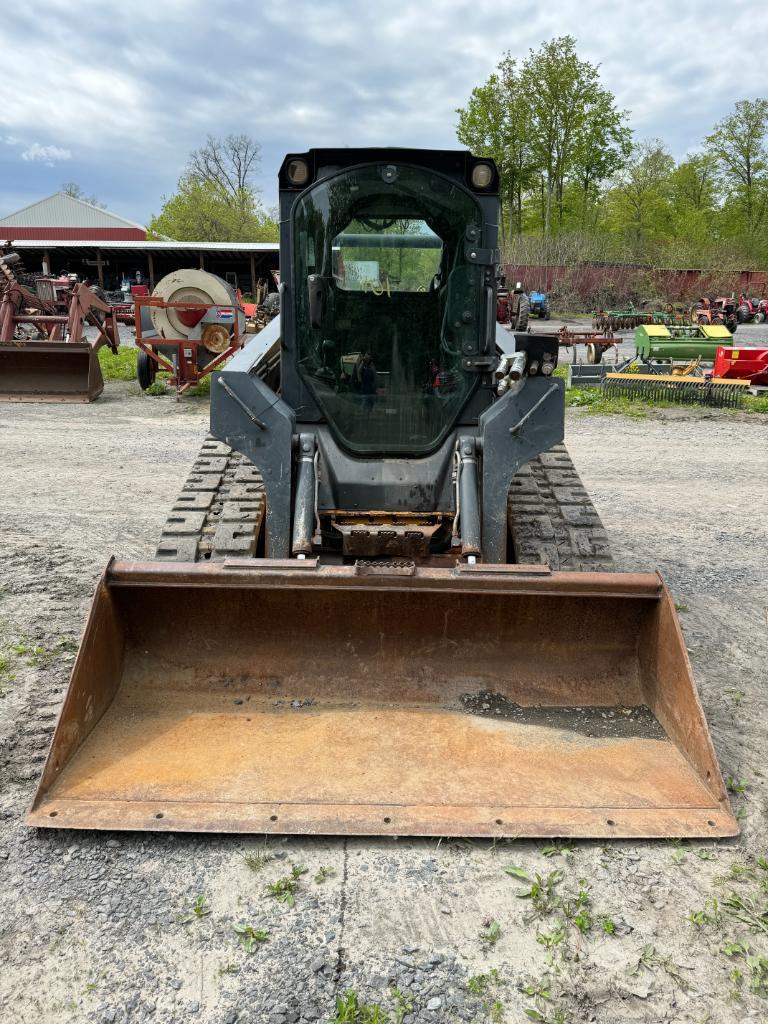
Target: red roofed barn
(63, 218)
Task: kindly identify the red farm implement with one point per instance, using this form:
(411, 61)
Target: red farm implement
(44, 354)
(190, 325)
(742, 364)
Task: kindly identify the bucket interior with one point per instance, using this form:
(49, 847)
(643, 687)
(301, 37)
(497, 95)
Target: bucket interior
(333, 710)
(49, 371)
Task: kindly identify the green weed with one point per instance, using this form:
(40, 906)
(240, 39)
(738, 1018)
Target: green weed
(756, 965)
(736, 786)
(754, 404)
(250, 937)
(491, 934)
(595, 402)
(650, 960)
(403, 1005)
(284, 889)
(559, 1016)
(349, 1010)
(559, 848)
(482, 986)
(199, 911)
(323, 874)
(541, 890)
(256, 861)
(710, 914)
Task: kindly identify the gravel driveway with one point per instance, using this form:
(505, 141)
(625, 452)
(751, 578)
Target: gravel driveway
(104, 927)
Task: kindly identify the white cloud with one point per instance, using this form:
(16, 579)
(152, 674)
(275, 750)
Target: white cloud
(49, 155)
(304, 74)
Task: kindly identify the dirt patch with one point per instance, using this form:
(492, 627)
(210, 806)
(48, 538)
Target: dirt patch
(593, 722)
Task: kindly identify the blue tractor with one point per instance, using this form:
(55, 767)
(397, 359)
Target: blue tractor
(539, 305)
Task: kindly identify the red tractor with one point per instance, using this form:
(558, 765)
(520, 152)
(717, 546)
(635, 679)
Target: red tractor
(513, 307)
(749, 310)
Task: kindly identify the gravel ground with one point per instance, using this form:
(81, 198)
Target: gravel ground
(100, 927)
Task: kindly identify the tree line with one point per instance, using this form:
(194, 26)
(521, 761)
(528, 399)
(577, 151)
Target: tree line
(576, 184)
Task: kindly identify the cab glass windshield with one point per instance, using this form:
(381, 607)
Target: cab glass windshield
(386, 302)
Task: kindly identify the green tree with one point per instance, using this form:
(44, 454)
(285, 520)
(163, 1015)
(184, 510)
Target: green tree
(496, 123)
(602, 145)
(216, 199)
(567, 106)
(639, 204)
(694, 203)
(738, 144)
(545, 123)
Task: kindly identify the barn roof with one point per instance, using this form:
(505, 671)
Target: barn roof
(63, 211)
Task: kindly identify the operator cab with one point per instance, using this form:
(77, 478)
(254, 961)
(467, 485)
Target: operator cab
(387, 302)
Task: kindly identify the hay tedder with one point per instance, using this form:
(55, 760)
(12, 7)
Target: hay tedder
(383, 602)
(44, 354)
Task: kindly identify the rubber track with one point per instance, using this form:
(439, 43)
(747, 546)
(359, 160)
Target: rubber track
(552, 519)
(219, 512)
(221, 507)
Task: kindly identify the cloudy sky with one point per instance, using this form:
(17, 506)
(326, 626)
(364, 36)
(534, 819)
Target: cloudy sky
(114, 95)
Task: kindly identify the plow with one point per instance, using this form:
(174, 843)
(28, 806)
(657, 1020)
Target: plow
(44, 354)
(596, 343)
(383, 603)
(619, 319)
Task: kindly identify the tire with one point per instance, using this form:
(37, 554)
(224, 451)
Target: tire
(547, 315)
(742, 314)
(146, 369)
(759, 318)
(523, 313)
(551, 518)
(594, 353)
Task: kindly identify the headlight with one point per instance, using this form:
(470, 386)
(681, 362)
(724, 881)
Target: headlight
(297, 172)
(482, 175)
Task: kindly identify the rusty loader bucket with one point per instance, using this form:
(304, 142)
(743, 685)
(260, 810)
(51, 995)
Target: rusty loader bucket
(49, 371)
(257, 696)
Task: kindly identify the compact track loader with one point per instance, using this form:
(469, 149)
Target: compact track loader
(383, 603)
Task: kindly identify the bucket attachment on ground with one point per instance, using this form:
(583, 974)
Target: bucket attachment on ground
(49, 371)
(44, 355)
(683, 389)
(289, 697)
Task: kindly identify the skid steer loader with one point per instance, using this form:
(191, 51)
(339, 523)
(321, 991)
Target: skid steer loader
(380, 604)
